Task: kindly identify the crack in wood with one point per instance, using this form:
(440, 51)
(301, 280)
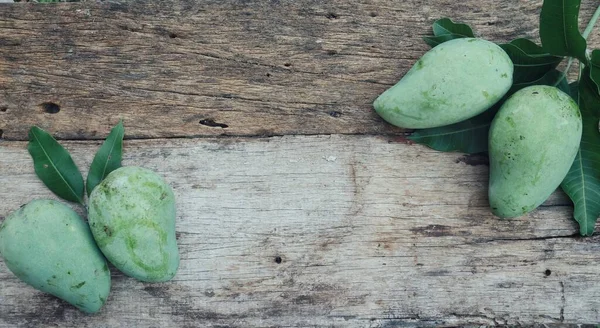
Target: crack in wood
(563, 301)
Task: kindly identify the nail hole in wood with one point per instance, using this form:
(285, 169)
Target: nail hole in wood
(287, 64)
(335, 114)
(373, 14)
(268, 74)
(50, 107)
(210, 122)
(332, 52)
(331, 15)
(3, 109)
(172, 35)
(278, 259)
(547, 272)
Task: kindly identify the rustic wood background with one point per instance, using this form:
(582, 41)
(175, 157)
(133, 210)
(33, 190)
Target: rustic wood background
(297, 205)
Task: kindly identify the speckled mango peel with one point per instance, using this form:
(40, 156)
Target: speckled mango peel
(48, 246)
(533, 141)
(132, 217)
(452, 82)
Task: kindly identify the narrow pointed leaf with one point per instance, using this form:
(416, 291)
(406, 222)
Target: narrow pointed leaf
(553, 78)
(582, 183)
(445, 29)
(530, 60)
(107, 159)
(470, 136)
(54, 166)
(447, 26)
(595, 68)
(433, 40)
(559, 29)
(530, 48)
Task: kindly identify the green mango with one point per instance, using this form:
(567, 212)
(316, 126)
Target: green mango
(452, 82)
(132, 218)
(533, 141)
(48, 246)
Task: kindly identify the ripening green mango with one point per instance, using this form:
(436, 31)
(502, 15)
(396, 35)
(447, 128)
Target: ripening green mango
(533, 141)
(452, 82)
(48, 246)
(132, 218)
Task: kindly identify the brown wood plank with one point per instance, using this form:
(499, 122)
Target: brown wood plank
(369, 233)
(251, 68)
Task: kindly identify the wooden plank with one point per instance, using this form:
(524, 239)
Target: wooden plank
(328, 231)
(240, 67)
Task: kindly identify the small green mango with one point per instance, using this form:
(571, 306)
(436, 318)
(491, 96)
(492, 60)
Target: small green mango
(452, 82)
(533, 141)
(132, 218)
(48, 246)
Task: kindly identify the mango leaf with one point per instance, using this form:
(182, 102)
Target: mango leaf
(595, 68)
(54, 166)
(433, 41)
(559, 30)
(582, 183)
(553, 78)
(107, 159)
(471, 136)
(445, 29)
(447, 26)
(531, 62)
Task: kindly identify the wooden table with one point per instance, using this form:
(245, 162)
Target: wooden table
(297, 205)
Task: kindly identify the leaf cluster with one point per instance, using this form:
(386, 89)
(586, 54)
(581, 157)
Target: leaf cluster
(55, 167)
(537, 65)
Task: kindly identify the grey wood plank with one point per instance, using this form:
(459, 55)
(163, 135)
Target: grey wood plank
(328, 231)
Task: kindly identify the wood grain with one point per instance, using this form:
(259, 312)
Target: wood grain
(351, 227)
(328, 231)
(240, 67)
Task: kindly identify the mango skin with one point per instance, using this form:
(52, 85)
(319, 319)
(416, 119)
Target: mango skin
(452, 82)
(48, 246)
(132, 218)
(533, 141)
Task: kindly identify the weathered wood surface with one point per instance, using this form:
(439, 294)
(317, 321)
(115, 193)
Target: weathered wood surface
(316, 231)
(253, 68)
(369, 233)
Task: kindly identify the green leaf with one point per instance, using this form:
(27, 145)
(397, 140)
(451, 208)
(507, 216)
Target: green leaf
(553, 78)
(433, 41)
(54, 166)
(471, 136)
(107, 159)
(588, 92)
(582, 183)
(595, 68)
(559, 30)
(445, 26)
(531, 62)
(445, 29)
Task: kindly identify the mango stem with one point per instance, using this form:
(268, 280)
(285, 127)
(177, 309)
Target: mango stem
(591, 24)
(586, 33)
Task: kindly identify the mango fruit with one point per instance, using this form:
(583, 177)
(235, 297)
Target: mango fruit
(48, 246)
(452, 82)
(132, 217)
(533, 141)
